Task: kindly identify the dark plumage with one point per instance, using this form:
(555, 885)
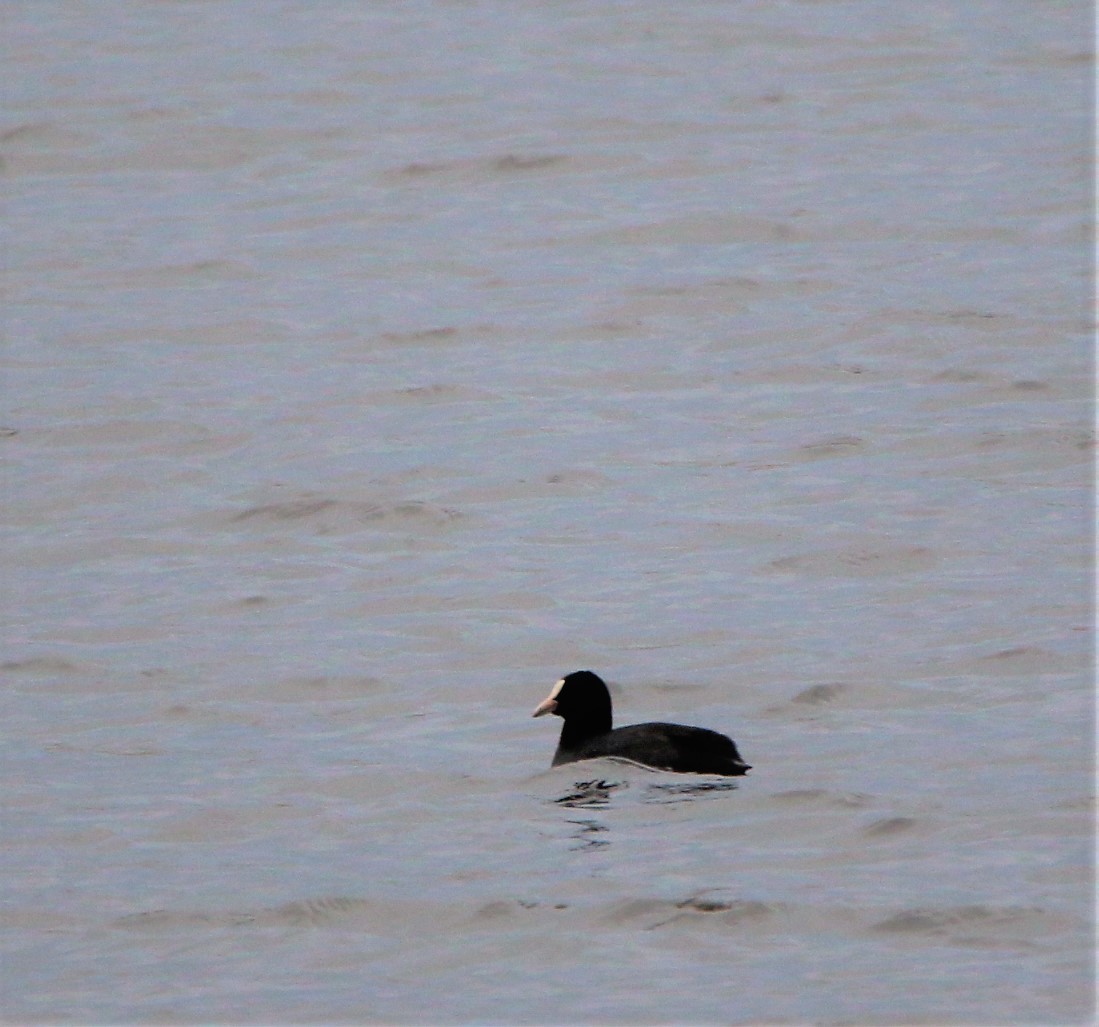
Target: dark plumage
(581, 699)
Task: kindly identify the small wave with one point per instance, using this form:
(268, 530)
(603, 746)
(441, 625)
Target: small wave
(889, 826)
(975, 925)
(325, 515)
(823, 797)
(316, 912)
(651, 914)
(817, 694)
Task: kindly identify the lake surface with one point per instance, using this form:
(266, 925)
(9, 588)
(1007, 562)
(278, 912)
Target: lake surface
(367, 367)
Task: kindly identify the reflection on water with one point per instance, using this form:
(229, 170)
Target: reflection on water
(586, 833)
(590, 793)
(667, 793)
(597, 793)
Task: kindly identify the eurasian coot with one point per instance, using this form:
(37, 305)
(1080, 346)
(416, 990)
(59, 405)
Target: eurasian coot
(581, 699)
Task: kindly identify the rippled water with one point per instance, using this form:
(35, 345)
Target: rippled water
(368, 367)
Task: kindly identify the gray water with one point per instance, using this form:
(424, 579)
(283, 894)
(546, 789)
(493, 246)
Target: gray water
(369, 366)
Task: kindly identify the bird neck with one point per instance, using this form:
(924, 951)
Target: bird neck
(575, 733)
